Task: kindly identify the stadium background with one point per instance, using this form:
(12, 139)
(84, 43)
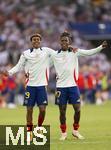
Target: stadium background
(89, 21)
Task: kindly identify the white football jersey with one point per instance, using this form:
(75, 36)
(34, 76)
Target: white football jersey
(36, 64)
(66, 65)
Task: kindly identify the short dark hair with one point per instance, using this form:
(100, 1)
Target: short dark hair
(35, 35)
(67, 34)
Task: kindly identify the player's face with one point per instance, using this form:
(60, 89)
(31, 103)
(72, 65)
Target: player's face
(64, 42)
(36, 42)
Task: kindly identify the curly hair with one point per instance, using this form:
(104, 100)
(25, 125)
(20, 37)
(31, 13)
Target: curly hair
(67, 34)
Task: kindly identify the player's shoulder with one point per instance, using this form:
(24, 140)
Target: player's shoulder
(75, 51)
(49, 51)
(46, 48)
(26, 52)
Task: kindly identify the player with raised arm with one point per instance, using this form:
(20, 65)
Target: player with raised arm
(66, 66)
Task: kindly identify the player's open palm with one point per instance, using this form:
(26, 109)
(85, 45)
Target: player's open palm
(5, 73)
(104, 44)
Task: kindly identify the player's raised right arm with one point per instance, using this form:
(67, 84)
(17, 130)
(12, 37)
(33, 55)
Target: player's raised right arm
(90, 52)
(18, 66)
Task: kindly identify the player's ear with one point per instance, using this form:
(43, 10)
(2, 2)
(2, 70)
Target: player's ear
(70, 41)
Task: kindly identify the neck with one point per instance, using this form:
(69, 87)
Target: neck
(64, 49)
(36, 47)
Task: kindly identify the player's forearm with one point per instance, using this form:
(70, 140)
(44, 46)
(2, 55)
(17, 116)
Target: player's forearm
(51, 51)
(18, 67)
(11, 71)
(90, 52)
(14, 70)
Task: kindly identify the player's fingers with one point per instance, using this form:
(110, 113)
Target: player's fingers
(104, 44)
(5, 73)
(75, 50)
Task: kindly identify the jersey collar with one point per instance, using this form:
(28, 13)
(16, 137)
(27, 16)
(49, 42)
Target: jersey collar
(60, 50)
(33, 49)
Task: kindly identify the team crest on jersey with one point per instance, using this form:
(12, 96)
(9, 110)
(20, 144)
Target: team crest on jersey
(57, 94)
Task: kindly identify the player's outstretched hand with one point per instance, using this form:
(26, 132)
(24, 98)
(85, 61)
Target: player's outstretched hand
(73, 49)
(5, 73)
(104, 44)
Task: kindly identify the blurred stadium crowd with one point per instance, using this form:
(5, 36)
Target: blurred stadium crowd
(20, 18)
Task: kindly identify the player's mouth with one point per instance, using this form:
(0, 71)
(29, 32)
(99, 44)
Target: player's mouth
(37, 43)
(64, 45)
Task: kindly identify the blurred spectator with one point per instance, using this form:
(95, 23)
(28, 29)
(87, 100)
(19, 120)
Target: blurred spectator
(82, 85)
(11, 91)
(3, 90)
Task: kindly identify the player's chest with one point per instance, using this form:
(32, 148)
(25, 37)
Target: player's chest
(64, 58)
(36, 56)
